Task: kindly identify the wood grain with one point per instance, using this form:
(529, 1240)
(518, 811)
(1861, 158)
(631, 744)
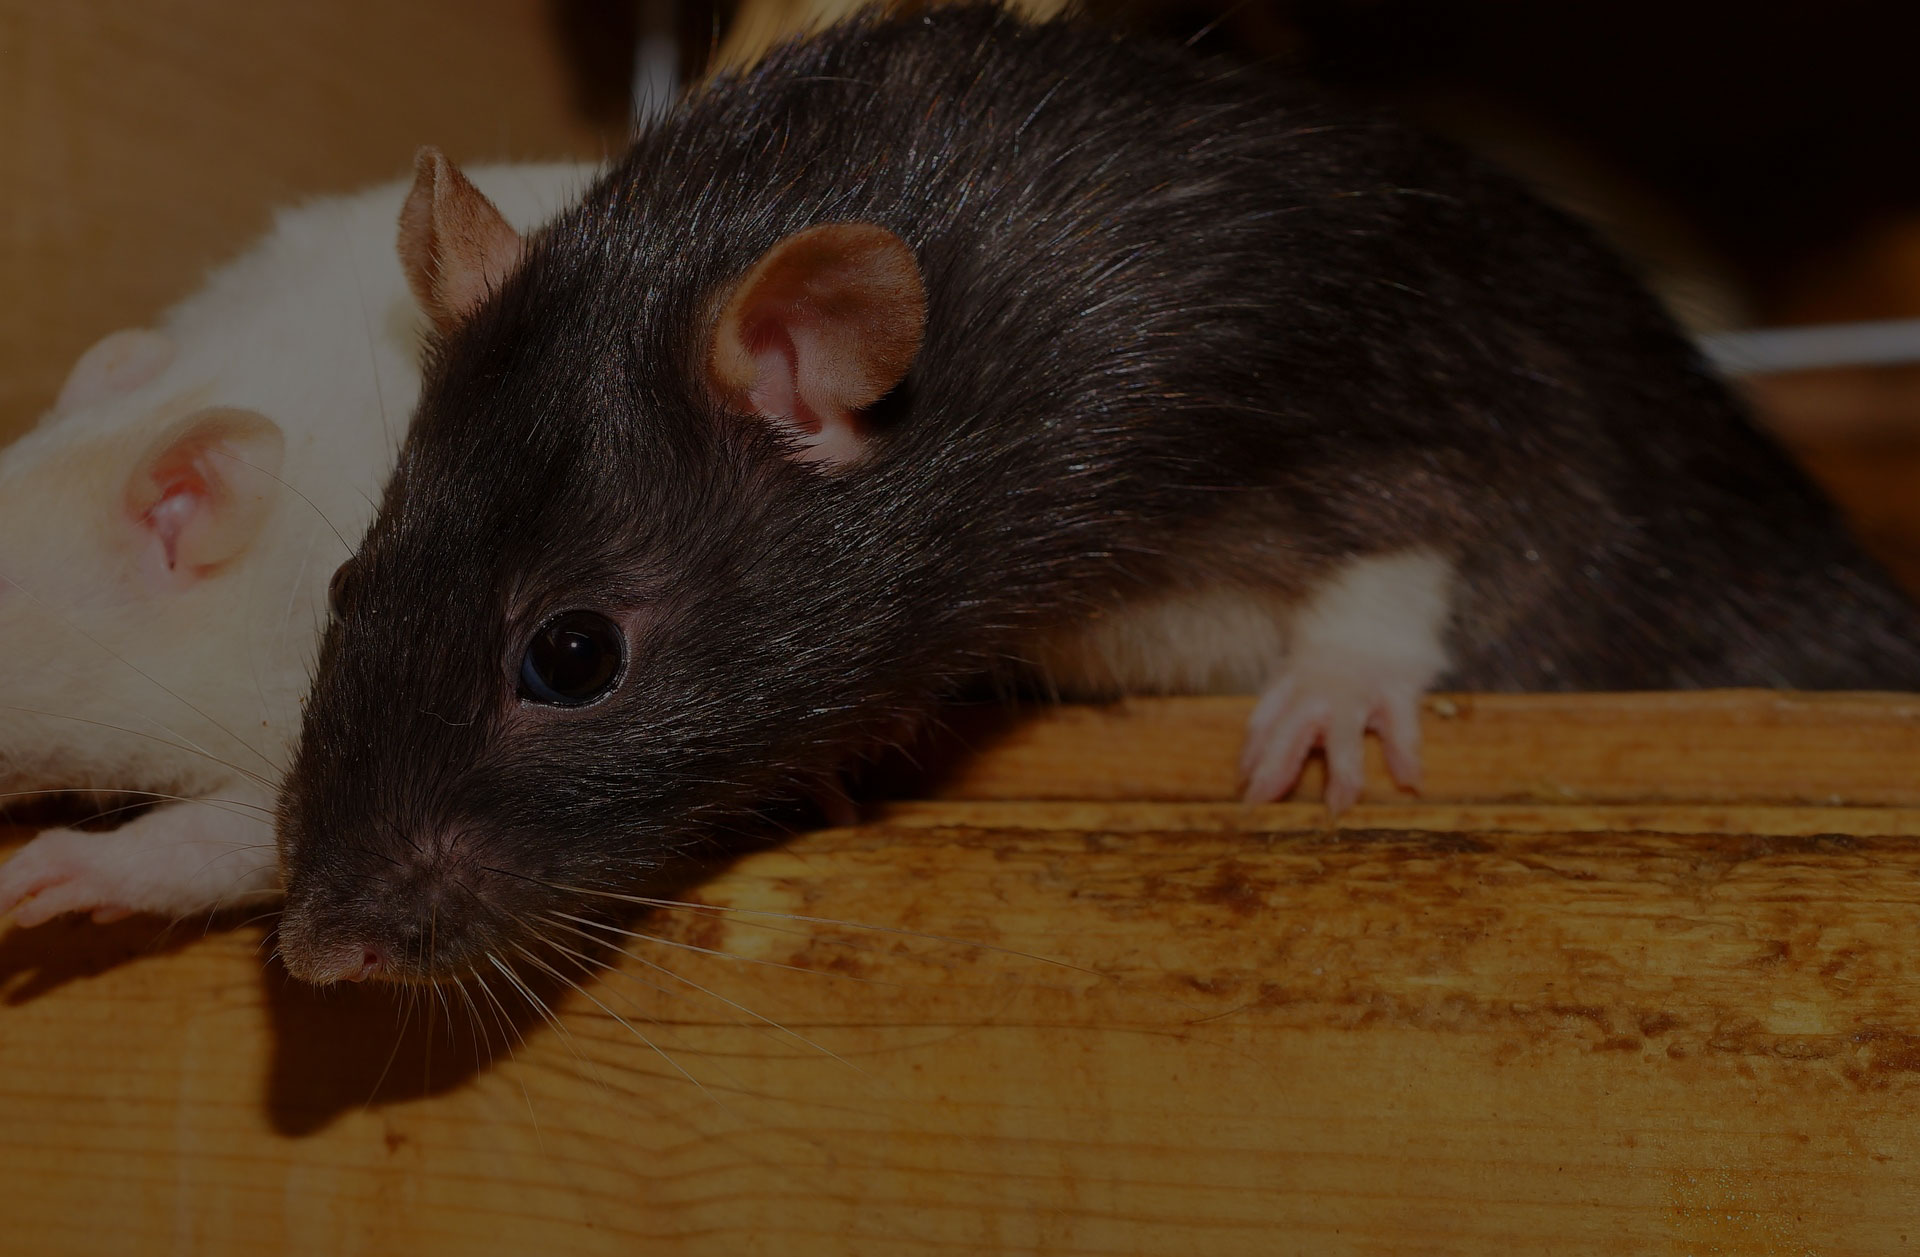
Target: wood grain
(1117, 1019)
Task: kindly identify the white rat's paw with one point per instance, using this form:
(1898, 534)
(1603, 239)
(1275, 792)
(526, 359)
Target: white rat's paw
(175, 859)
(1331, 705)
(65, 870)
(1364, 648)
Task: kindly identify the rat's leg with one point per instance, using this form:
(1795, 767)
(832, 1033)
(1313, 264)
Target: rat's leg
(176, 859)
(1362, 649)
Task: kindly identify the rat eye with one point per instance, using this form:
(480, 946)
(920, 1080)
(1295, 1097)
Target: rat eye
(573, 659)
(337, 587)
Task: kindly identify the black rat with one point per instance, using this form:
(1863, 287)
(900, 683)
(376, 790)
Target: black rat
(945, 347)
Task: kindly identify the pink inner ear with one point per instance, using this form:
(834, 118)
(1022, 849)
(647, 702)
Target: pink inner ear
(184, 496)
(200, 497)
(820, 328)
(775, 392)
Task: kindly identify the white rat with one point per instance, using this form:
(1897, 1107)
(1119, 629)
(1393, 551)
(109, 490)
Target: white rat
(166, 537)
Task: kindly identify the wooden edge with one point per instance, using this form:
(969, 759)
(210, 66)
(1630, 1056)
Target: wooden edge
(1312, 818)
(1713, 746)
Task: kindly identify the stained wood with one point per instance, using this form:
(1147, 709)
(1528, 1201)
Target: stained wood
(1130, 1016)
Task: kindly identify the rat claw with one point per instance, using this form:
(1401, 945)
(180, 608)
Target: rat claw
(1344, 742)
(1277, 753)
(1331, 707)
(1397, 723)
(1266, 714)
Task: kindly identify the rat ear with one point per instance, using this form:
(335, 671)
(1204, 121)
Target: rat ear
(199, 496)
(118, 363)
(454, 246)
(824, 325)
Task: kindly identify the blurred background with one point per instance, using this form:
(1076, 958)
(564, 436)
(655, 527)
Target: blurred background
(1758, 162)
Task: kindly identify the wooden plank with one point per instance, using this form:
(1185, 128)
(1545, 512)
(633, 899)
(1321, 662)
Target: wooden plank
(1071, 1026)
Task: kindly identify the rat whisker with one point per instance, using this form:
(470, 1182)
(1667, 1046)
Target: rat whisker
(399, 1038)
(394, 829)
(289, 487)
(294, 587)
(439, 992)
(526, 989)
(256, 919)
(659, 1051)
(664, 941)
(509, 1033)
(708, 992)
(439, 988)
(689, 906)
(480, 1035)
(539, 1005)
(366, 336)
(375, 852)
(139, 799)
(174, 742)
(772, 927)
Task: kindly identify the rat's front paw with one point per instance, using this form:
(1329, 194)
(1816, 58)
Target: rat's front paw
(1331, 704)
(180, 858)
(64, 870)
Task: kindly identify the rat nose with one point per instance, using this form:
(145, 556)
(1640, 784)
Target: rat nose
(370, 964)
(426, 912)
(346, 964)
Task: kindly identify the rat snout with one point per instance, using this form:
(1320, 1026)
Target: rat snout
(342, 963)
(425, 912)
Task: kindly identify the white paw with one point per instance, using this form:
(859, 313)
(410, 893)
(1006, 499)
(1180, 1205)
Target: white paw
(1332, 704)
(63, 870)
(181, 858)
(1363, 649)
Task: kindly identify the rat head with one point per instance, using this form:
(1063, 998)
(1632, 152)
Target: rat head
(586, 629)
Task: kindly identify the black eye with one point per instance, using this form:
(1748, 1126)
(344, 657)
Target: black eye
(574, 659)
(337, 588)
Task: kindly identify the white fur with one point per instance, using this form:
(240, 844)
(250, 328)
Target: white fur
(1355, 654)
(109, 683)
(1361, 651)
(1390, 610)
(1222, 641)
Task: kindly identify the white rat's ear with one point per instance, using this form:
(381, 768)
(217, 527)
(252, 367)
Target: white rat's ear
(454, 246)
(824, 325)
(199, 496)
(118, 363)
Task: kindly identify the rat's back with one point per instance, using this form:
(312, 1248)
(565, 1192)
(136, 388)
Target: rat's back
(1280, 333)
